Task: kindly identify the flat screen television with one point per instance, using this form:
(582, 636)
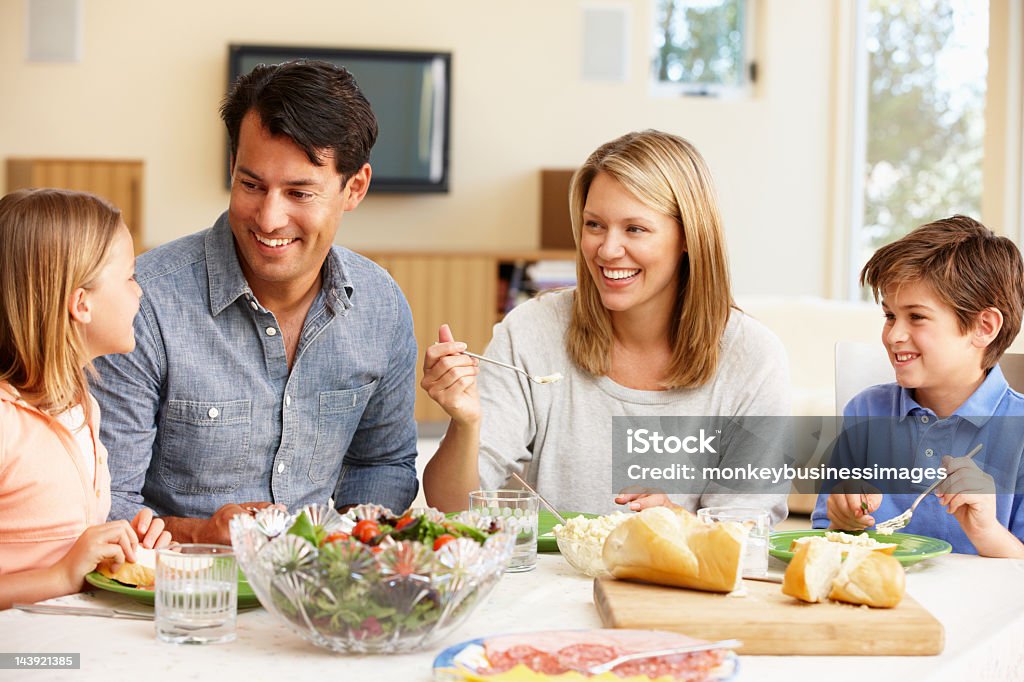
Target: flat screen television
(410, 95)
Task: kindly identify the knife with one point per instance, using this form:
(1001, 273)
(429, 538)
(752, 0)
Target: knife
(83, 611)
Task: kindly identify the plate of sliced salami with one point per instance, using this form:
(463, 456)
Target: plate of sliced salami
(565, 655)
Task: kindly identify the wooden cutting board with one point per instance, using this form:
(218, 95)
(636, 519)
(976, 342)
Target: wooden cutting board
(771, 623)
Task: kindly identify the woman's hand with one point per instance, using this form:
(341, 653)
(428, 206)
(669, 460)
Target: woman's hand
(969, 494)
(115, 540)
(149, 530)
(850, 506)
(449, 378)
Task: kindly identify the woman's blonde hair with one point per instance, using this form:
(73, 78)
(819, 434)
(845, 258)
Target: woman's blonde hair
(668, 174)
(52, 242)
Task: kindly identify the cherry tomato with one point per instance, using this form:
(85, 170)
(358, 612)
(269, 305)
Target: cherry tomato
(442, 540)
(366, 530)
(336, 537)
(404, 521)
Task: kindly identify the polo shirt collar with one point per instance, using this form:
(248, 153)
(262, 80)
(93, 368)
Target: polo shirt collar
(977, 409)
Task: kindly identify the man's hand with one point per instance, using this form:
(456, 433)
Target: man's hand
(213, 530)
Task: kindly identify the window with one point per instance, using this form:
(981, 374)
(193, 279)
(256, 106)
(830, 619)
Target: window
(919, 145)
(702, 47)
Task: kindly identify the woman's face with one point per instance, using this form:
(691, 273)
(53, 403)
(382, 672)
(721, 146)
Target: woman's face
(631, 250)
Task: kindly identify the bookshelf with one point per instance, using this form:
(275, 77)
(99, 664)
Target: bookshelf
(470, 291)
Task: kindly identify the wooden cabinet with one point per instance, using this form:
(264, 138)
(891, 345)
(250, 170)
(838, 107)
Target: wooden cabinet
(120, 182)
(463, 290)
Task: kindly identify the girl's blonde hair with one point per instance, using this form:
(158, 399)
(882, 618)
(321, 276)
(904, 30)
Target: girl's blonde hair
(52, 242)
(668, 174)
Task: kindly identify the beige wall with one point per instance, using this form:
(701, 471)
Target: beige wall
(152, 75)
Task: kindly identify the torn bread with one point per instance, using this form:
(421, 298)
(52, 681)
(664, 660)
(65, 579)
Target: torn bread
(142, 573)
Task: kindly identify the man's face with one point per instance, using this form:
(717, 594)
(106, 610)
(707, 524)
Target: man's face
(285, 210)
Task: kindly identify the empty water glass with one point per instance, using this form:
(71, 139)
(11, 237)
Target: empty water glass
(759, 521)
(196, 596)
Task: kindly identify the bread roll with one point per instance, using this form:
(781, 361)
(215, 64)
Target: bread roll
(810, 573)
(847, 540)
(870, 578)
(668, 547)
(141, 573)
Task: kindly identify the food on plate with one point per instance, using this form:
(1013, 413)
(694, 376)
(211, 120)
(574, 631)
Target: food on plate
(672, 547)
(819, 571)
(140, 574)
(563, 655)
(581, 540)
(849, 540)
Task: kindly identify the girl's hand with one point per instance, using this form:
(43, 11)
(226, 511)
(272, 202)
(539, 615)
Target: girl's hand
(638, 501)
(449, 378)
(852, 508)
(969, 494)
(149, 530)
(115, 540)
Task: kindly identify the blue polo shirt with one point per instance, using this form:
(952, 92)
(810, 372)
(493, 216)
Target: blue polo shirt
(885, 423)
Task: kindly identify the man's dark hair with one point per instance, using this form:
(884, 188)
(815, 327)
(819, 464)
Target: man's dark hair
(316, 104)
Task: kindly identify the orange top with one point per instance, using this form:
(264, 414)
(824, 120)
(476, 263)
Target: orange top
(47, 497)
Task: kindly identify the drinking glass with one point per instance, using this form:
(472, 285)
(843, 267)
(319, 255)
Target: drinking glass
(196, 599)
(759, 521)
(517, 511)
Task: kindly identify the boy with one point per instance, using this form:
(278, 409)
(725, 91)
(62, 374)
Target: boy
(952, 293)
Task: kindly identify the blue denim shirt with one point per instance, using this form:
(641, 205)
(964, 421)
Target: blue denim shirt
(205, 411)
(993, 416)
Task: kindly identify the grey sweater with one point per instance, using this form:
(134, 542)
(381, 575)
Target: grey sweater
(559, 436)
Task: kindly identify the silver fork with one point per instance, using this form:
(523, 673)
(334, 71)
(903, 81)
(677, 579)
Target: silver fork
(549, 379)
(692, 648)
(897, 522)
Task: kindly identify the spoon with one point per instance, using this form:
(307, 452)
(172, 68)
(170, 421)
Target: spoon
(549, 379)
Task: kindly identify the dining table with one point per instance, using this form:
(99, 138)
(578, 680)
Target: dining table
(979, 601)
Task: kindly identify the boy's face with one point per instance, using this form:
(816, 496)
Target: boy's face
(924, 341)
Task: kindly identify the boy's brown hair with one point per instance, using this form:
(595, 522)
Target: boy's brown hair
(969, 268)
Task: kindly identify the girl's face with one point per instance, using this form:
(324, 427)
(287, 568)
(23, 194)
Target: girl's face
(632, 250)
(112, 300)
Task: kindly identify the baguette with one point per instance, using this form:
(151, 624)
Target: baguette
(668, 547)
(870, 578)
(811, 571)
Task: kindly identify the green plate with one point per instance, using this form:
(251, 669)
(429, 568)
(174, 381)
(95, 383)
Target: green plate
(545, 522)
(246, 597)
(911, 549)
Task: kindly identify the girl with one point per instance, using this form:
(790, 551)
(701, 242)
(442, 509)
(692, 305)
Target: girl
(67, 296)
(650, 330)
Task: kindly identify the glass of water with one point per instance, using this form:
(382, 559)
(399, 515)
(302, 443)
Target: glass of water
(196, 598)
(759, 521)
(517, 511)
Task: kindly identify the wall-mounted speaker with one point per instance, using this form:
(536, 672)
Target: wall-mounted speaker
(605, 43)
(54, 30)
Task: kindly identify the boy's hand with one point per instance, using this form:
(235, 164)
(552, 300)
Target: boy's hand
(969, 494)
(115, 540)
(150, 531)
(638, 501)
(851, 505)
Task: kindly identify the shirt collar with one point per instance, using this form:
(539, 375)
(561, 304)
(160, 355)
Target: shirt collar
(227, 282)
(977, 409)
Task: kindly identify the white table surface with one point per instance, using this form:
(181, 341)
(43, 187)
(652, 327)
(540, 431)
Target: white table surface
(980, 602)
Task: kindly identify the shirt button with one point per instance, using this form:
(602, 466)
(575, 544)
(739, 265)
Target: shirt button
(271, 331)
(280, 468)
(97, 493)
(253, 305)
(214, 413)
(924, 420)
(287, 400)
(929, 452)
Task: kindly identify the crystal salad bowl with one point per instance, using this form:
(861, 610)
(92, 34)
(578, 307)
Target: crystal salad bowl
(366, 581)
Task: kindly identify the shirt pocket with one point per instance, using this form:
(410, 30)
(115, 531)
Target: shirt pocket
(339, 415)
(204, 445)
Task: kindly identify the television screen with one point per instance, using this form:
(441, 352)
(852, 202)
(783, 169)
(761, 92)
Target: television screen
(409, 93)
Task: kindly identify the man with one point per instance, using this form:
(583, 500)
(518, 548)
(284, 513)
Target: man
(271, 366)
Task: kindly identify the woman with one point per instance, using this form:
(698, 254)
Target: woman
(650, 330)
